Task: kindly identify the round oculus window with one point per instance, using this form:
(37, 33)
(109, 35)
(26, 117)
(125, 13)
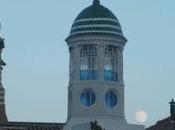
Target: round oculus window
(111, 99)
(87, 97)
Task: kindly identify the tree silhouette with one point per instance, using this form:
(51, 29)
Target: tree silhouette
(95, 126)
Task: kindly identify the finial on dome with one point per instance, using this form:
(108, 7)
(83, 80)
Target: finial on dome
(96, 2)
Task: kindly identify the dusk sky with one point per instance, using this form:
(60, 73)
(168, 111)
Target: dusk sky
(36, 81)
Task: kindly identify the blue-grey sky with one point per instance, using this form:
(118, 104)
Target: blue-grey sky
(36, 76)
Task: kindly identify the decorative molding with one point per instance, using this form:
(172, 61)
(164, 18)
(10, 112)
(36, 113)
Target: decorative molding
(96, 31)
(96, 25)
(96, 19)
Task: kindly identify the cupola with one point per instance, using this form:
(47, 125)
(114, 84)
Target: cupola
(96, 19)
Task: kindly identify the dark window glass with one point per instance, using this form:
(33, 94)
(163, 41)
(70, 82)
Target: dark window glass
(88, 62)
(111, 99)
(87, 97)
(110, 67)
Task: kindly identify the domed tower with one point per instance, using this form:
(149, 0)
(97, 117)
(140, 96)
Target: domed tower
(3, 116)
(96, 87)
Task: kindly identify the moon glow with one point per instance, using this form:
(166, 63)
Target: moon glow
(141, 116)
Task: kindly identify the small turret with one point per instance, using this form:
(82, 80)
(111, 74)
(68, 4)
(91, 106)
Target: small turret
(172, 109)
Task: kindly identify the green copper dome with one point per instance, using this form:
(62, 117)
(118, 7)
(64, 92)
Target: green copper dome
(96, 19)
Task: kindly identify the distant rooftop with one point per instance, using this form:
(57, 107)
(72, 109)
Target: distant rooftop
(165, 124)
(31, 126)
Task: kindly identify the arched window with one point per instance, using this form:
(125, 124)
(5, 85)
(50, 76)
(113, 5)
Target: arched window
(88, 62)
(110, 67)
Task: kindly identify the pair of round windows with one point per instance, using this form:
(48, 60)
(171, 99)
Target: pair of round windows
(88, 97)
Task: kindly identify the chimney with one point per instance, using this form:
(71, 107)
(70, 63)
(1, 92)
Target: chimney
(172, 109)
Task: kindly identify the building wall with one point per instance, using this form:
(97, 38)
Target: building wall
(99, 86)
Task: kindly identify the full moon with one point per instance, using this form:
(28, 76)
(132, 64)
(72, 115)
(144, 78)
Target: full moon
(141, 116)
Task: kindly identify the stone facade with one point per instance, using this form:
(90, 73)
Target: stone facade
(79, 117)
(99, 86)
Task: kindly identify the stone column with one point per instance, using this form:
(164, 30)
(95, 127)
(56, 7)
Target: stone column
(100, 55)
